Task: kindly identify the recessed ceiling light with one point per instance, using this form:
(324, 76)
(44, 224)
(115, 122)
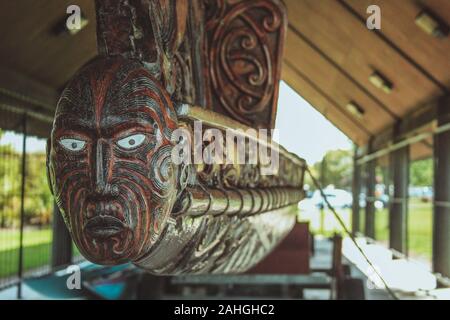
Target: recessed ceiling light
(355, 109)
(381, 82)
(431, 24)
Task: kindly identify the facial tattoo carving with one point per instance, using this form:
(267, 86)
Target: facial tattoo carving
(109, 159)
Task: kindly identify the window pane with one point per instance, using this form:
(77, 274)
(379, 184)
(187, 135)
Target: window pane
(420, 217)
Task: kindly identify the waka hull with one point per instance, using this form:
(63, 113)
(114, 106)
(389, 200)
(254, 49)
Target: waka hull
(218, 245)
(163, 67)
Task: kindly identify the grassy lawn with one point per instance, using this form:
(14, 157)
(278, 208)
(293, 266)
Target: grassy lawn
(37, 247)
(419, 232)
(419, 225)
(38, 241)
(323, 221)
(9, 238)
(37, 250)
(382, 225)
(420, 228)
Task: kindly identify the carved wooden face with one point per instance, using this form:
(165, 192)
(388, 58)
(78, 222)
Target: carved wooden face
(109, 160)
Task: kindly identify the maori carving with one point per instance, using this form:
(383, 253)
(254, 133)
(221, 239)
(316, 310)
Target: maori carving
(110, 158)
(110, 163)
(245, 43)
(168, 42)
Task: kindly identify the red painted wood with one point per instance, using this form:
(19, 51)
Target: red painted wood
(291, 256)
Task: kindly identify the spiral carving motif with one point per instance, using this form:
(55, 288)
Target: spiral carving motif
(121, 194)
(245, 40)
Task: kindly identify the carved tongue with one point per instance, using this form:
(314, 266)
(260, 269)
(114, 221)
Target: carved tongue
(104, 226)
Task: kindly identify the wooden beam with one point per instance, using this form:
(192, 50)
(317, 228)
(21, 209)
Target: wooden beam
(408, 128)
(19, 94)
(357, 50)
(427, 54)
(344, 80)
(326, 106)
(441, 209)
(18, 86)
(398, 210)
(370, 200)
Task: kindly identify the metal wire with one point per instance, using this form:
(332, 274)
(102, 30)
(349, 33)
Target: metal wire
(341, 222)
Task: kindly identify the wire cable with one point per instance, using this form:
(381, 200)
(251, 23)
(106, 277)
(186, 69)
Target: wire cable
(341, 222)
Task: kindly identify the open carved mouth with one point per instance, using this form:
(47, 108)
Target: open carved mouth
(104, 226)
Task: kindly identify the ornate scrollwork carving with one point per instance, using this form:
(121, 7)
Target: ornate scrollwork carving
(110, 161)
(245, 40)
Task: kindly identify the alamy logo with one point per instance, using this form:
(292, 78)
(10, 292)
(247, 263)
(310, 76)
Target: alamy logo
(74, 280)
(373, 22)
(234, 146)
(73, 22)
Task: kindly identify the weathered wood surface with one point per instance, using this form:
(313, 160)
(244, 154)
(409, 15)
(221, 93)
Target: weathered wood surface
(117, 124)
(220, 54)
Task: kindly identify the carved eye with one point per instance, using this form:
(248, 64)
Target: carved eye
(72, 144)
(132, 141)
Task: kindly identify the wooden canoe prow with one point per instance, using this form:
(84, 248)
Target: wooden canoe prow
(165, 69)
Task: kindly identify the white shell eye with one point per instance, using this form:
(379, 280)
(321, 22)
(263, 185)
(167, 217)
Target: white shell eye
(72, 144)
(132, 141)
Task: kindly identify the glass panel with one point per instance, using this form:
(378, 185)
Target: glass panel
(10, 160)
(362, 200)
(335, 174)
(420, 216)
(38, 204)
(382, 200)
(38, 211)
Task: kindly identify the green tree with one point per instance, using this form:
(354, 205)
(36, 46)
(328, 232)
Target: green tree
(9, 185)
(38, 204)
(421, 173)
(38, 199)
(336, 169)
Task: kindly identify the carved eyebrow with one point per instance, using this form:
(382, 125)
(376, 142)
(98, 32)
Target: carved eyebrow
(126, 125)
(148, 113)
(65, 121)
(128, 120)
(140, 114)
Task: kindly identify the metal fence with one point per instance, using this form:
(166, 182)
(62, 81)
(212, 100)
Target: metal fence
(26, 205)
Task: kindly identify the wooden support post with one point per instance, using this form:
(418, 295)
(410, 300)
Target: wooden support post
(356, 189)
(370, 200)
(398, 211)
(22, 205)
(62, 242)
(441, 211)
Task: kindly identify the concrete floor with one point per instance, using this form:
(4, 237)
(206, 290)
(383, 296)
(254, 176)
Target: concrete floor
(321, 260)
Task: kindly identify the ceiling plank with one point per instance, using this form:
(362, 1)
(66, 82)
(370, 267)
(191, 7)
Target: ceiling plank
(347, 42)
(440, 7)
(398, 25)
(336, 84)
(23, 88)
(20, 95)
(324, 106)
(421, 150)
(35, 50)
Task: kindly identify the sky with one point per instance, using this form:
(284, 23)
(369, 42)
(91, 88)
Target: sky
(305, 131)
(33, 144)
(301, 129)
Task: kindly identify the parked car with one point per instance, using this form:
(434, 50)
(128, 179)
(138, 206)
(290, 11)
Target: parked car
(427, 194)
(381, 202)
(338, 198)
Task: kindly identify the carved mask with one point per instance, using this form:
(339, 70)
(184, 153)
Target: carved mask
(109, 160)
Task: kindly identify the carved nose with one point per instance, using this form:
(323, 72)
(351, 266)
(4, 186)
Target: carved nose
(102, 167)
